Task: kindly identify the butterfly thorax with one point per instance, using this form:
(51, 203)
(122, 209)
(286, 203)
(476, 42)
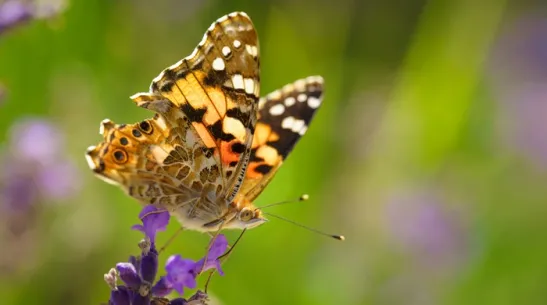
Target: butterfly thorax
(239, 214)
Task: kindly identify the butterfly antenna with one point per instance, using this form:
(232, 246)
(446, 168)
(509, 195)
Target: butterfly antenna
(303, 197)
(338, 237)
(171, 239)
(223, 257)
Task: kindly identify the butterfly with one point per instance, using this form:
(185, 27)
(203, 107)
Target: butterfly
(213, 144)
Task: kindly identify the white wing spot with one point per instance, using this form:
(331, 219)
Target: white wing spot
(293, 124)
(290, 101)
(218, 64)
(252, 50)
(303, 130)
(300, 85)
(237, 43)
(277, 109)
(237, 81)
(302, 97)
(314, 102)
(226, 51)
(275, 95)
(298, 125)
(287, 122)
(249, 86)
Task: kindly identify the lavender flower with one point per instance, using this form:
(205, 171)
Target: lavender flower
(35, 167)
(35, 171)
(518, 70)
(420, 224)
(2, 94)
(15, 12)
(139, 274)
(153, 220)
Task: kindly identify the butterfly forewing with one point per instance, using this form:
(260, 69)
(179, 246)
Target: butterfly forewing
(217, 89)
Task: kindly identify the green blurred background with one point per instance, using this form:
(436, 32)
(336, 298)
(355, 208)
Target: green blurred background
(429, 153)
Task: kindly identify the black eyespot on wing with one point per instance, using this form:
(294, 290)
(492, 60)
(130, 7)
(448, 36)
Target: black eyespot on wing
(120, 156)
(124, 141)
(136, 133)
(146, 127)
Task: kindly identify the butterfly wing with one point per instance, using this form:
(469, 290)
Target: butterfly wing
(151, 162)
(199, 142)
(284, 116)
(216, 90)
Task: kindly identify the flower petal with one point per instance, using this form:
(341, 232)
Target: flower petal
(153, 220)
(181, 273)
(149, 266)
(140, 300)
(129, 275)
(219, 246)
(162, 288)
(120, 296)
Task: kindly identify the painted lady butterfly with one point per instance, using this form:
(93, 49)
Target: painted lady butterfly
(213, 145)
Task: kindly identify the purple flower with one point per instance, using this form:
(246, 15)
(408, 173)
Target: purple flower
(146, 272)
(36, 140)
(153, 220)
(180, 273)
(33, 172)
(211, 261)
(2, 94)
(120, 296)
(183, 272)
(13, 12)
(140, 272)
(518, 70)
(421, 226)
(35, 167)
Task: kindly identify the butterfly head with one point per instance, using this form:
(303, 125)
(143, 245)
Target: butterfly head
(249, 218)
(244, 216)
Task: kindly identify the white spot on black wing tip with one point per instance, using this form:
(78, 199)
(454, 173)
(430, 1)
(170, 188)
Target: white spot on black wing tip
(277, 109)
(289, 101)
(287, 122)
(314, 102)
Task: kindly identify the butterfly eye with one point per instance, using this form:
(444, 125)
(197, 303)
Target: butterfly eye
(145, 127)
(245, 215)
(120, 156)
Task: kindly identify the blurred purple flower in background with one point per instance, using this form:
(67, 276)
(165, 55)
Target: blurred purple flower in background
(421, 226)
(13, 12)
(35, 170)
(431, 242)
(16, 12)
(35, 166)
(2, 94)
(518, 70)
